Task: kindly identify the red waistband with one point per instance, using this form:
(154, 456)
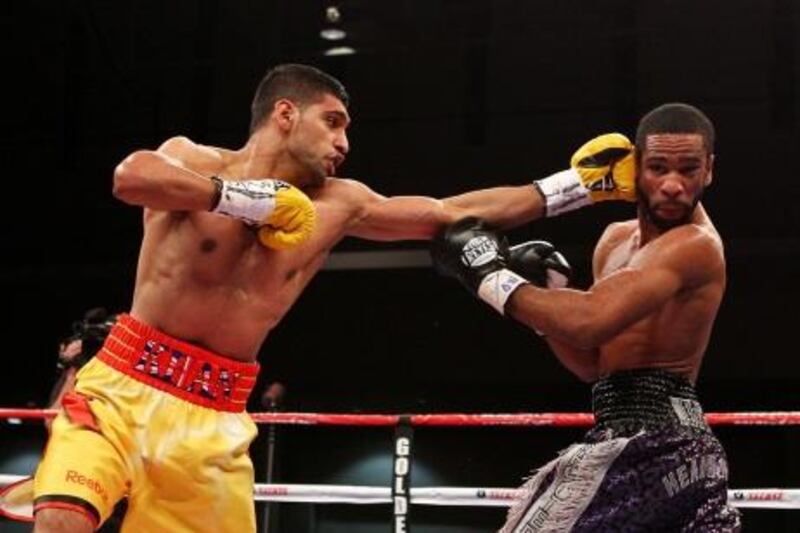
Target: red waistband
(177, 367)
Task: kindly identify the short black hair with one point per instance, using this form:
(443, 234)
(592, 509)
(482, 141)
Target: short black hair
(302, 84)
(675, 118)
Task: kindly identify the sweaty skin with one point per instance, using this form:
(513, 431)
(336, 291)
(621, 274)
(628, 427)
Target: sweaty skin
(205, 278)
(656, 291)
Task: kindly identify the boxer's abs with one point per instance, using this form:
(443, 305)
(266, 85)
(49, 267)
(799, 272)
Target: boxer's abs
(673, 339)
(230, 314)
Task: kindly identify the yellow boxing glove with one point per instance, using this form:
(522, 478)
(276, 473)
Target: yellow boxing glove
(292, 221)
(283, 214)
(602, 169)
(607, 166)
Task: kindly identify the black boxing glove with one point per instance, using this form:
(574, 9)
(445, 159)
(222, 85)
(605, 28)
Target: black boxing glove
(541, 264)
(477, 257)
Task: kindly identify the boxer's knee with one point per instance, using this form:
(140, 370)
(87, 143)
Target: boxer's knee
(62, 521)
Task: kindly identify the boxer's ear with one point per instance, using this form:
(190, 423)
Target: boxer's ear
(285, 114)
(710, 175)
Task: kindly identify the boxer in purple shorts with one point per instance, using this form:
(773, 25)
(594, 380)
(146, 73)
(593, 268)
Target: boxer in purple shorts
(649, 464)
(639, 333)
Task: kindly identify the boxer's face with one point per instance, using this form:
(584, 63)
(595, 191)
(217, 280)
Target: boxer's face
(674, 169)
(318, 140)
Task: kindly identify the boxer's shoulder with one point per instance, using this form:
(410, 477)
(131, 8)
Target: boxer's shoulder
(343, 193)
(614, 234)
(196, 156)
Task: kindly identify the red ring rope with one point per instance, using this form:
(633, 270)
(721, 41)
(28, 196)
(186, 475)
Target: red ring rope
(778, 418)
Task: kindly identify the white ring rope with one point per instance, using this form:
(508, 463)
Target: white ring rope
(458, 496)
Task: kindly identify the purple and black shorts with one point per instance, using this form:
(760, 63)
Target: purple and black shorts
(649, 464)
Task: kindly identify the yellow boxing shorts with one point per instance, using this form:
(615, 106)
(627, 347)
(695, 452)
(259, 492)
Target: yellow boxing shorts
(161, 422)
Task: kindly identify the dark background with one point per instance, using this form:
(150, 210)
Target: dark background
(447, 96)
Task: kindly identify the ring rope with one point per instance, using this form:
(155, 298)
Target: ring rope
(761, 418)
(457, 496)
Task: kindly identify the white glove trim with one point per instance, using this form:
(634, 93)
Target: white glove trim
(496, 288)
(563, 191)
(249, 200)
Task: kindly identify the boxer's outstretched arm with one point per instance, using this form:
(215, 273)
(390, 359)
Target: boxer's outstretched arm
(683, 258)
(159, 179)
(602, 169)
(421, 218)
(501, 207)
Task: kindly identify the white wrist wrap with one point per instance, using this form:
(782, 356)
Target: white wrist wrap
(563, 191)
(497, 287)
(251, 200)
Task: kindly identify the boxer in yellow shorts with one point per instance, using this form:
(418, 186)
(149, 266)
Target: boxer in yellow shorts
(161, 421)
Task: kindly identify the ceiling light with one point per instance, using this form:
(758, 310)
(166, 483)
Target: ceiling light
(332, 34)
(340, 51)
(332, 14)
